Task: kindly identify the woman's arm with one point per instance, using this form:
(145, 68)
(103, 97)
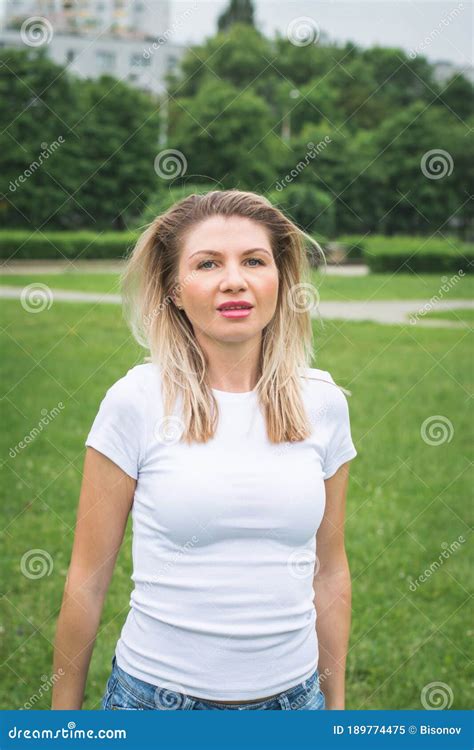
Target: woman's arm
(106, 498)
(332, 588)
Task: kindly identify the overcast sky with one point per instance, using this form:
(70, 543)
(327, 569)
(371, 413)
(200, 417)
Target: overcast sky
(405, 23)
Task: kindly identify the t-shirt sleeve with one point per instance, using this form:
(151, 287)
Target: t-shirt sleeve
(118, 426)
(340, 447)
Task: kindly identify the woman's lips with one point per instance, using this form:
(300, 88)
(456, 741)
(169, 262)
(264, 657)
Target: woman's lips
(236, 313)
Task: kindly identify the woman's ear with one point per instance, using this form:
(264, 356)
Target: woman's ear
(175, 297)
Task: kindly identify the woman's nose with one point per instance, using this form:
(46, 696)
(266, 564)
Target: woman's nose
(234, 278)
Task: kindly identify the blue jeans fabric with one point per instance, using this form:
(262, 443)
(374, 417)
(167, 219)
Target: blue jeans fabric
(127, 693)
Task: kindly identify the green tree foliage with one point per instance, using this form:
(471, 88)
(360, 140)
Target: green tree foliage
(308, 206)
(424, 170)
(72, 154)
(242, 57)
(457, 97)
(226, 136)
(118, 129)
(243, 110)
(238, 11)
(39, 106)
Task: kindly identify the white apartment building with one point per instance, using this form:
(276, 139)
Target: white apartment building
(132, 41)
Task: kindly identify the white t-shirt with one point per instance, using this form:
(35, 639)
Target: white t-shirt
(224, 545)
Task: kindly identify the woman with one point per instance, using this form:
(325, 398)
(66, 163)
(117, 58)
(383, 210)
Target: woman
(231, 454)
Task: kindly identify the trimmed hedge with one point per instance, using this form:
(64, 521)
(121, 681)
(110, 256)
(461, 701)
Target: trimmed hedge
(18, 244)
(382, 254)
(417, 254)
(354, 246)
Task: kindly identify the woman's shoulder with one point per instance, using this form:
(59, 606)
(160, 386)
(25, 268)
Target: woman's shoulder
(318, 377)
(135, 384)
(144, 372)
(324, 395)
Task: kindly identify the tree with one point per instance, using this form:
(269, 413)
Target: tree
(458, 96)
(308, 206)
(73, 154)
(38, 142)
(238, 11)
(401, 79)
(241, 57)
(424, 161)
(118, 131)
(328, 168)
(226, 135)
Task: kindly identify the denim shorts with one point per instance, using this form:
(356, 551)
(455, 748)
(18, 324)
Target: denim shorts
(126, 693)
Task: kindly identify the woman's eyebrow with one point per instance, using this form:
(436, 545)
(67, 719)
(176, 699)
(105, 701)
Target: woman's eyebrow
(246, 252)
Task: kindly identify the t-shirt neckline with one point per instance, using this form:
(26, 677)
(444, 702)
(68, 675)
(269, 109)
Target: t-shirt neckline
(234, 395)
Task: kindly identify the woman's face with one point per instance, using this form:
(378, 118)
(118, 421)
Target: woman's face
(216, 267)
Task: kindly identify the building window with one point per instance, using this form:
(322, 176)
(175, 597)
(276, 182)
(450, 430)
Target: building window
(105, 61)
(137, 60)
(171, 62)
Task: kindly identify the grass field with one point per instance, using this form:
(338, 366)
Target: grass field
(343, 288)
(464, 314)
(407, 502)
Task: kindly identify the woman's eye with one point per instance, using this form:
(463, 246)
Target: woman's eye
(259, 262)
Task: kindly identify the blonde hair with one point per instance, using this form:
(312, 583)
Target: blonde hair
(148, 285)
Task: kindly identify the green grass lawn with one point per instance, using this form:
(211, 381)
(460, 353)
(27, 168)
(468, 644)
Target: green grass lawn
(83, 282)
(464, 314)
(371, 287)
(407, 499)
(401, 286)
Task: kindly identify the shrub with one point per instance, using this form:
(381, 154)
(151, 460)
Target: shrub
(18, 244)
(417, 254)
(354, 245)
